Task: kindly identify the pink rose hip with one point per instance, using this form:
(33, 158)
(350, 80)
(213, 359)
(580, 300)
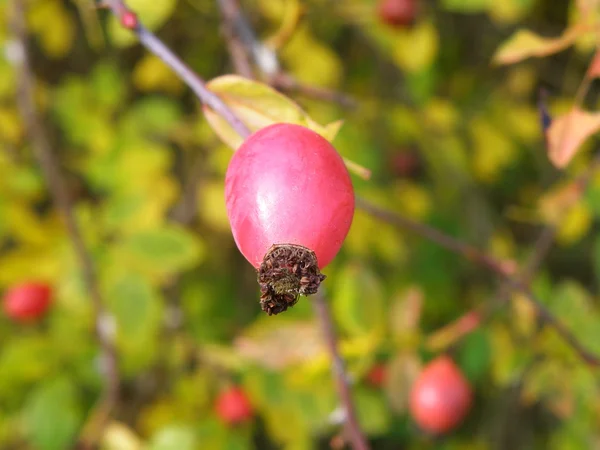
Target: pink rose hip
(290, 203)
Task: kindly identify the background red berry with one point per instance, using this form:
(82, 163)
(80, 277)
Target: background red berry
(233, 406)
(377, 375)
(287, 185)
(441, 396)
(27, 301)
(398, 13)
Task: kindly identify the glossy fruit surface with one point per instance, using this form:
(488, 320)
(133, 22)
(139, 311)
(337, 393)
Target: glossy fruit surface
(27, 302)
(398, 13)
(441, 396)
(286, 184)
(233, 406)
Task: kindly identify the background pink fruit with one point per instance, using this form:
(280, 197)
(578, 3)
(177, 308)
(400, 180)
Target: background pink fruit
(27, 301)
(233, 406)
(441, 396)
(398, 13)
(287, 185)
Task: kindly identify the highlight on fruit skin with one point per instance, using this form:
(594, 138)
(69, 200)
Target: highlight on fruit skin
(290, 204)
(441, 397)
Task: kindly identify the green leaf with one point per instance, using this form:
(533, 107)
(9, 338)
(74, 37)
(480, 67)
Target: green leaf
(137, 311)
(52, 415)
(467, 6)
(474, 355)
(107, 85)
(24, 360)
(163, 250)
(134, 304)
(358, 300)
(372, 412)
(573, 306)
(155, 116)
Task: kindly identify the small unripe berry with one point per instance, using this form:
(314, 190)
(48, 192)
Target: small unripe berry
(233, 406)
(290, 204)
(441, 397)
(377, 375)
(398, 13)
(129, 20)
(27, 302)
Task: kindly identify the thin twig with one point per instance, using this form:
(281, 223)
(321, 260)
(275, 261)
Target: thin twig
(352, 426)
(546, 315)
(448, 242)
(50, 166)
(154, 45)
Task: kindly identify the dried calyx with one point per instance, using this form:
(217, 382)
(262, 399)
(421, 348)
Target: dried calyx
(286, 272)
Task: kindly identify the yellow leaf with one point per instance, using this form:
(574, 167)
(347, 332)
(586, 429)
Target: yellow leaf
(554, 203)
(325, 68)
(575, 224)
(525, 44)
(276, 346)
(118, 436)
(258, 105)
(524, 315)
(493, 150)
(54, 26)
(402, 371)
(405, 314)
(417, 48)
(10, 126)
(412, 199)
(568, 132)
(151, 73)
(441, 114)
(508, 11)
(211, 204)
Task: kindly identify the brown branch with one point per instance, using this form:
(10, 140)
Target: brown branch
(467, 251)
(51, 169)
(352, 426)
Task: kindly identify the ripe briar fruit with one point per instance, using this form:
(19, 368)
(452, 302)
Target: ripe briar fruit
(441, 396)
(233, 406)
(398, 13)
(27, 302)
(290, 204)
(377, 375)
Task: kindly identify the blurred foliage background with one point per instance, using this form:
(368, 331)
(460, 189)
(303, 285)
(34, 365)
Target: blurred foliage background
(452, 141)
